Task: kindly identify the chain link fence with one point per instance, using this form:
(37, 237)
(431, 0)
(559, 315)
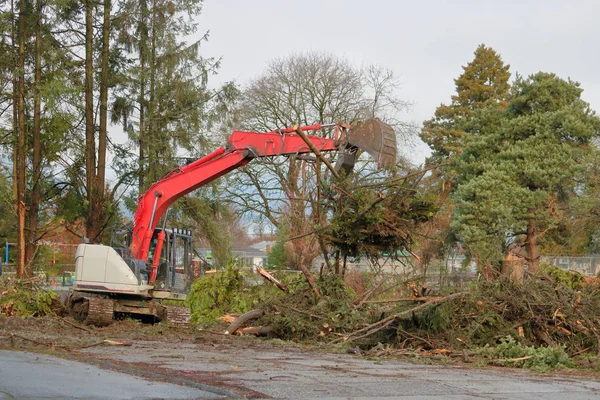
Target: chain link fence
(585, 265)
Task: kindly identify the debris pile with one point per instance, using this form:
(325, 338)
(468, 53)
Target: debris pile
(26, 297)
(540, 323)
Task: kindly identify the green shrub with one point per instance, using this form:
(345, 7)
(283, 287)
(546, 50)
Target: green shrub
(215, 295)
(511, 353)
(569, 279)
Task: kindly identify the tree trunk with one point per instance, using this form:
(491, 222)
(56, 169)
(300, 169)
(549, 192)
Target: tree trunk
(152, 173)
(34, 205)
(90, 140)
(533, 256)
(513, 267)
(142, 49)
(15, 121)
(21, 173)
(95, 225)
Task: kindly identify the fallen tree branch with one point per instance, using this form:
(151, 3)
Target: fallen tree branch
(262, 272)
(400, 300)
(75, 325)
(379, 325)
(106, 341)
(14, 335)
(367, 295)
(503, 360)
(310, 279)
(242, 319)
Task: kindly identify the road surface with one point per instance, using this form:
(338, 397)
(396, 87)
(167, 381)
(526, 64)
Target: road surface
(40, 376)
(281, 373)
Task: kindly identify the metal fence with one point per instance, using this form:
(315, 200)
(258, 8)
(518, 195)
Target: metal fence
(585, 265)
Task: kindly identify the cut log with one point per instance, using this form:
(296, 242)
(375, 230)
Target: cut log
(271, 279)
(255, 330)
(242, 319)
(229, 318)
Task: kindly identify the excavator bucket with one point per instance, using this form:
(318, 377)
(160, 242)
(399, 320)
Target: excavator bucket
(376, 138)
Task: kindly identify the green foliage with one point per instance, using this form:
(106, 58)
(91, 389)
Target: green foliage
(226, 292)
(370, 222)
(433, 319)
(523, 164)
(511, 353)
(300, 314)
(278, 257)
(8, 223)
(212, 296)
(25, 298)
(210, 218)
(569, 279)
(484, 83)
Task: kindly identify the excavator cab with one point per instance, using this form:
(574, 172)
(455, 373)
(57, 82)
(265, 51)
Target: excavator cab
(174, 273)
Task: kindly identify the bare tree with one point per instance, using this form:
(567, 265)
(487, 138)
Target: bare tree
(305, 89)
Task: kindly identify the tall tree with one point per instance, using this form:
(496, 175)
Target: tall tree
(483, 83)
(36, 162)
(522, 165)
(162, 98)
(96, 149)
(304, 89)
(41, 73)
(20, 149)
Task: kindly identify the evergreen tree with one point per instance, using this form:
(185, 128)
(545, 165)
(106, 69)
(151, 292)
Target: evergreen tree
(34, 63)
(162, 98)
(521, 166)
(483, 83)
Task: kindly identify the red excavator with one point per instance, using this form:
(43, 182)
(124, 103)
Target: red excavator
(157, 264)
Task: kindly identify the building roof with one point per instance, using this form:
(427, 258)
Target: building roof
(262, 245)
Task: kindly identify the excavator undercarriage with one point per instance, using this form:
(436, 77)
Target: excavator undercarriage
(101, 309)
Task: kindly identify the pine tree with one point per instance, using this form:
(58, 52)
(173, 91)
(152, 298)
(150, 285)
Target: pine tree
(483, 83)
(523, 167)
(162, 97)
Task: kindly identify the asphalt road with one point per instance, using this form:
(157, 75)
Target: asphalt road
(281, 373)
(40, 376)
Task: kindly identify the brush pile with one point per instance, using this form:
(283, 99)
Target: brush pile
(542, 322)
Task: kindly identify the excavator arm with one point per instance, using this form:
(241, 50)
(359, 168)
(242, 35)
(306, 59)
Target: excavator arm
(241, 148)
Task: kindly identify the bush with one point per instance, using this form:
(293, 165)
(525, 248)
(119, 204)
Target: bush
(215, 295)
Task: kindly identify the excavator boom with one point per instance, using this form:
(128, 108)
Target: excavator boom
(241, 148)
(106, 282)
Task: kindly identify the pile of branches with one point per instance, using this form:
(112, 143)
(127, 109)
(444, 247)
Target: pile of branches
(553, 310)
(369, 219)
(27, 297)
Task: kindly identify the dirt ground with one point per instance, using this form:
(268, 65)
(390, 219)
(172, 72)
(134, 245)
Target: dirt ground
(250, 367)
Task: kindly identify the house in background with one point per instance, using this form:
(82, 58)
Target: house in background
(253, 256)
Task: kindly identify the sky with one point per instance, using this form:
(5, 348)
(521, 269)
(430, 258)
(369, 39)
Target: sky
(425, 43)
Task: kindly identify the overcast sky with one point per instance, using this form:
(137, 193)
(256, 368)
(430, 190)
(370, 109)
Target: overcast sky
(424, 42)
